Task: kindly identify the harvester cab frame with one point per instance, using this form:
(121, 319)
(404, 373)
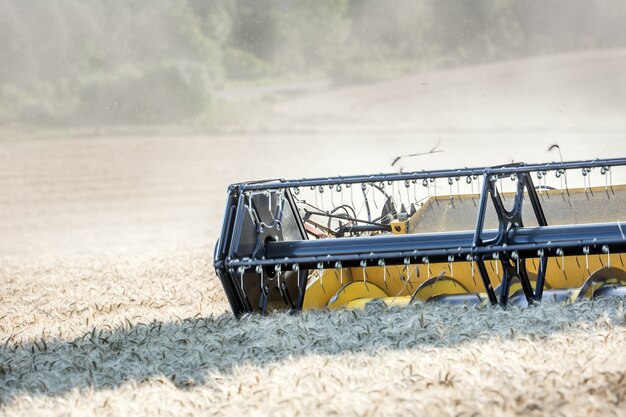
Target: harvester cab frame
(397, 238)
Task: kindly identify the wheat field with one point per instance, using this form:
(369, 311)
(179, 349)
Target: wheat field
(150, 336)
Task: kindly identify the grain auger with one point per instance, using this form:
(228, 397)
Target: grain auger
(518, 233)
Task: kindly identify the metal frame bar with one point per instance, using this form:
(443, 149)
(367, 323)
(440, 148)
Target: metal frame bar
(445, 173)
(437, 247)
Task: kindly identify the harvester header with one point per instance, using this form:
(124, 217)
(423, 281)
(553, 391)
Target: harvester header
(470, 235)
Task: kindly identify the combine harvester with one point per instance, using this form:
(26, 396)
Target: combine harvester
(492, 237)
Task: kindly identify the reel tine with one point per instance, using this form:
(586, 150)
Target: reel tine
(407, 186)
(468, 180)
(259, 271)
(587, 180)
(320, 268)
(339, 189)
(321, 277)
(241, 271)
(427, 186)
(417, 273)
(296, 269)
(363, 267)
(348, 185)
(278, 270)
(515, 256)
(339, 267)
(608, 180)
(586, 252)
(559, 173)
(560, 252)
(470, 259)
(381, 263)
(607, 251)
(426, 262)
(407, 264)
(496, 258)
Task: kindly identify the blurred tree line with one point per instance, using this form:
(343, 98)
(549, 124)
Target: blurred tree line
(69, 62)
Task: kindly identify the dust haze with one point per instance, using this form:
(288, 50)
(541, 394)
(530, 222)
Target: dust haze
(188, 63)
(123, 122)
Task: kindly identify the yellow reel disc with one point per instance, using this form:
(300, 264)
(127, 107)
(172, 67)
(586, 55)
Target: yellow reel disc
(356, 290)
(515, 288)
(439, 286)
(361, 303)
(603, 276)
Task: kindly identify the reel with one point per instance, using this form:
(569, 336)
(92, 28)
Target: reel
(517, 233)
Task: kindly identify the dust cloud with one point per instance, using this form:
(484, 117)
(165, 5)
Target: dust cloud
(196, 65)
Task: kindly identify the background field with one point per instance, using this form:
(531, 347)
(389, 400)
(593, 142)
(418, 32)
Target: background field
(109, 302)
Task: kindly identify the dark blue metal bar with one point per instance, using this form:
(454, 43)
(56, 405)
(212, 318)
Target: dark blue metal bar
(418, 175)
(491, 295)
(541, 221)
(437, 247)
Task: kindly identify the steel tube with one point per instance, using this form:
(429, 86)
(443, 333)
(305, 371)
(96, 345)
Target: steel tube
(438, 246)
